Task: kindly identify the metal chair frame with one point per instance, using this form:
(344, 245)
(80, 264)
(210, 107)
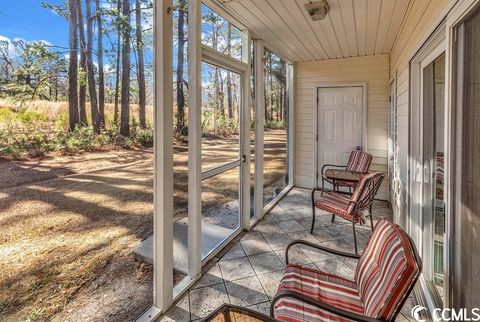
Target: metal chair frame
(365, 203)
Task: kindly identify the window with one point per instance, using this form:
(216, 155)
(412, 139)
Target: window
(220, 34)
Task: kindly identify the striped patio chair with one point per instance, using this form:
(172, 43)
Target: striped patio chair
(347, 175)
(385, 276)
(351, 208)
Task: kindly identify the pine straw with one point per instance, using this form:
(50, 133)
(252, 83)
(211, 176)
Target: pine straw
(67, 241)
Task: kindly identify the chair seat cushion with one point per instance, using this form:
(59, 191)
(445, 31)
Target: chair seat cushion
(329, 289)
(338, 204)
(342, 175)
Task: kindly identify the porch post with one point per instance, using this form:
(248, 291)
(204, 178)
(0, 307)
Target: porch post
(163, 156)
(245, 126)
(259, 126)
(194, 137)
(291, 123)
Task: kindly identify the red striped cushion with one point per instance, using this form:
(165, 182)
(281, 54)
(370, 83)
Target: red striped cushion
(338, 204)
(359, 161)
(386, 270)
(336, 291)
(365, 181)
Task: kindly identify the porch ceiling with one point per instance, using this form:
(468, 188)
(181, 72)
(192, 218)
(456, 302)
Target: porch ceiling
(351, 28)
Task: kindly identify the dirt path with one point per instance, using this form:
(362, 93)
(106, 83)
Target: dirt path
(70, 238)
(17, 173)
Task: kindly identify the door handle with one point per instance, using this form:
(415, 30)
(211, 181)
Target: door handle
(418, 170)
(426, 172)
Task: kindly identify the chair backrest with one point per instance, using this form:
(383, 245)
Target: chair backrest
(387, 271)
(359, 161)
(365, 191)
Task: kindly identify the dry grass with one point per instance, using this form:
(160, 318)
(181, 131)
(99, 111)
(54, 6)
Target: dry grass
(54, 109)
(67, 241)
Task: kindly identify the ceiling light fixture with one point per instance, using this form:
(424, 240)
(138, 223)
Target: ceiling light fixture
(317, 10)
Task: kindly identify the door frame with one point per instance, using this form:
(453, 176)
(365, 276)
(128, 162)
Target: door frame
(392, 134)
(218, 59)
(435, 46)
(316, 87)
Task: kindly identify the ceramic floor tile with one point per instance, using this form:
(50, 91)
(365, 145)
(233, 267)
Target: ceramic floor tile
(350, 262)
(346, 244)
(211, 277)
(252, 234)
(282, 216)
(295, 256)
(303, 235)
(180, 312)
(270, 282)
(324, 234)
(336, 267)
(237, 268)
(265, 262)
(262, 308)
(300, 213)
(290, 226)
(268, 229)
(278, 241)
(255, 246)
(316, 255)
(247, 291)
(322, 217)
(249, 278)
(205, 300)
(234, 252)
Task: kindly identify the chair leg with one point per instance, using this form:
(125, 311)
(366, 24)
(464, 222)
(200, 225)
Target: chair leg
(354, 236)
(313, 212)
(333, 218)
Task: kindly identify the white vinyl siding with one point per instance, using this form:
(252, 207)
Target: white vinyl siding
(373, 70)
(422, 18)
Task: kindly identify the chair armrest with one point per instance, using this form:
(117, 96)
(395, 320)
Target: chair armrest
(320, 305)
(332, 166)
(325, 249)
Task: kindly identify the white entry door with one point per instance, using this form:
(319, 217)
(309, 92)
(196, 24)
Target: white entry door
(340, 125)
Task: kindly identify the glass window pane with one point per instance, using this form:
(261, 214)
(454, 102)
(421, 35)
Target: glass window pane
(220, 34)
(275, 127)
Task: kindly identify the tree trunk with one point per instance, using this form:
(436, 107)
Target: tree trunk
(142, 97)
(101, 76)
(117, 67)
(229, 76)
(125, 108)
(83, 67)
(92, 90)
(73, 116)
(181, 127)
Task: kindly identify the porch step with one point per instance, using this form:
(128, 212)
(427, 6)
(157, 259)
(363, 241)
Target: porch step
(212, 235)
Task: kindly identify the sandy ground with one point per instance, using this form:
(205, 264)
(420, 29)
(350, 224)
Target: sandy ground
(69, 226)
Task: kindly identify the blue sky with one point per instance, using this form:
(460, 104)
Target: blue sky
(28, 20)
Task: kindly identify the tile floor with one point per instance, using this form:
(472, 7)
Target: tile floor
(248, 271)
